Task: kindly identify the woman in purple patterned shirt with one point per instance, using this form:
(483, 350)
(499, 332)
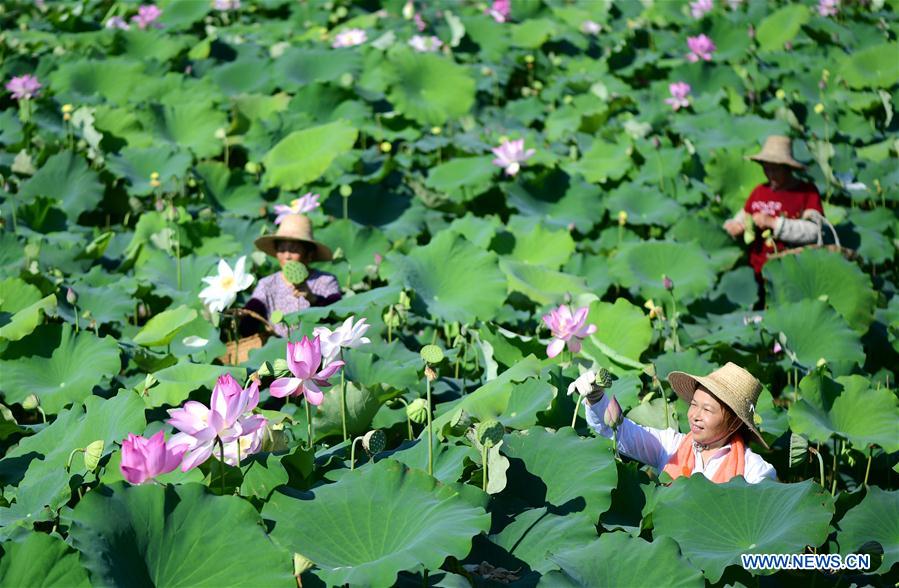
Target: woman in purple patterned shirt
(292, 242)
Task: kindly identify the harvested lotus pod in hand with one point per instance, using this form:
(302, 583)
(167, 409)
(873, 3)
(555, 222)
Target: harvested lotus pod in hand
(603, 378)
(295, 272)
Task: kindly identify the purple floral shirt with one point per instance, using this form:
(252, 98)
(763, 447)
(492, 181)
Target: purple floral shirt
(274, 293)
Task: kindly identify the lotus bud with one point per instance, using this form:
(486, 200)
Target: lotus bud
(613, 415)
(92, 454)
(821, 362)
(622, 217)
(436, 130)
(819, 108)
(798, 450)
(667, 282)
(568, 99)
(221, 134)
(374, 441)
(780, 94)
(490, 433)
(417, 411)
(266, 369)
(346, 190)
(68, 108)
(408, 10)
(71, 297)
(430, 374)
(603, 378)
(295, 272)
(338, 254)
(378, 258)
(777, 348)
(431, 354)
(31, 402)
(529, 59)
(251, 167)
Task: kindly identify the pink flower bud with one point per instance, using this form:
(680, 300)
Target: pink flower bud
(667, 283)
(613, 416)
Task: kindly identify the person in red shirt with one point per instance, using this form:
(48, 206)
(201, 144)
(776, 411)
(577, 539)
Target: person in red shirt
(789, 207)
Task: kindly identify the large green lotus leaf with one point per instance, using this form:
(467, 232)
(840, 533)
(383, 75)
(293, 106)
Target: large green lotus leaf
(621, 326)
(359, 244)
(41, 560)
(66, 178)
(462, 178)
(448, 460)
(537, 532)
(181, 14)
(17, 294)
(873, 67)
(817, 272)
(107, 303)
(235, 192)
(859, 413)
(301, 66)
(163, 327)
(376, 522)
(641, 265)
(618, 559)
(80, 362)
(22, 308)
(603, 161)
(533, 242)
(549, 479)
(148, 44)
(715, 523)
(717, 129)
(137, 164)
(427, 88)
(174, 536)
(595, 274)
(10, 127)
(190, 124)
(873, 228)
(815, 331)
(871, 521)
(383, 363)
(86, 81)
(644, 205)
(781, 26)
(159, 268)
(243, 76)
(533, 32)
(709, 235)
(361, 406)
(351, 305)
(178, 381)
(451, 278)
(557, 200)
(540, 284)
(733, 177)
(46, 482)
(480, 231)
(303, 156)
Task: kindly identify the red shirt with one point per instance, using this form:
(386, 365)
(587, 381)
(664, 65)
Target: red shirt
(787, 203)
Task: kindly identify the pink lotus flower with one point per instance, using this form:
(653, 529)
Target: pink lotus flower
(613, 416)
(146, 16)
(305, 203)
(777, 348)
(349, 38)
(679, 92)
(700, 8)
(23, 87)
(117, 22)
(510, 155)
(828, 7)
(144, 459)
(701, 47)
(425, 44)
(228, 418)
(500, 10)
(304, 361)
(567, 328)
(226, 5)
(419, 22)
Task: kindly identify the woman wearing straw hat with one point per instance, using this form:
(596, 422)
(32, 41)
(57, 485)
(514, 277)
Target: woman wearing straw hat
(293, 241)
(722, 406)
(789, 207)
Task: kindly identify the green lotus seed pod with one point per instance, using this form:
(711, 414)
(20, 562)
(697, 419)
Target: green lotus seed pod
(346, 190)
(276, 317)
(295, 272)
(490, 433)
(417, 411)
(92, 455)
(374, 441)
(798, 450)
(459, 422)
(603, 378)
(432, 354)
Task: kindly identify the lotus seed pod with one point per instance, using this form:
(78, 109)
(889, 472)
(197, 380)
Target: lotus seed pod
(346, 190)
(276, 317)
(430, 374)
(295, 272)
(603, 378)
(31, 402)
(417, 411)
(490, 433)
(798, 450)
(432, 354)
(92, 455)
(374, 441)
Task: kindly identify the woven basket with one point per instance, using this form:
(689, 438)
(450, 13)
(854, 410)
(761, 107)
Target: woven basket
(237, 352)
(834, 247)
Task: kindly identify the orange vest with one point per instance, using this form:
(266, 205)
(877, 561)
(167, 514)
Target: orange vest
(683, 460)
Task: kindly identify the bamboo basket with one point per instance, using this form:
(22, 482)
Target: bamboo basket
(834, 247)
(237, 352)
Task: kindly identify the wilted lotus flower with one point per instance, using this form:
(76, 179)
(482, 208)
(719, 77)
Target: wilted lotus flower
(304, 362)
(510, 155)
(349, 335)
(613, 415)
(146, 16)
(589, 27)
(305, 203)
(425, 44)
(23, 87)
(701, 47)
(500, 10)
(223, 288)
(567, 328)
(679, 92)
(349, 38)
(117, 22)
(828, 7)
(700, 8)
(144, 459)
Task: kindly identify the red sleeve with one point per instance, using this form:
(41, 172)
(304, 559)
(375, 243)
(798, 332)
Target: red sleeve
(813, 200)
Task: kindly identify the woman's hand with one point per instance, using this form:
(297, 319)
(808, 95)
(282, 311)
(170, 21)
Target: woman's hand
(734, 228)
(764, 221)
(594, 397)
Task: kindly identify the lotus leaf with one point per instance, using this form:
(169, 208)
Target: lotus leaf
(62, 378)
(644, 205)
(872, 67)
(617, 559)
(781, 26)
(463, 178)
(46, 482)
(359, 244)
(540, 284)
(534, 243)
(303, 156)
(86, 81)
(361, 406)
(557, 200)
(641, 266)
(244, 76)
(41, 560)
(747, 518)
(192, 125)
(870, 521)
(536, 533)
(604, 161)
(734, 177)
(137, 164)
(162, 328)
(428, 89)
(621, 326)
(814, 331)
(376, 522)
(448, 459)
(178, 381)
(817, 272)
(443, 275)
(299, 66)
(142, 534)
(68, 180)
(21, 308)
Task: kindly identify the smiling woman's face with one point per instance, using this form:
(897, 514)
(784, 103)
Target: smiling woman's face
(709, 419)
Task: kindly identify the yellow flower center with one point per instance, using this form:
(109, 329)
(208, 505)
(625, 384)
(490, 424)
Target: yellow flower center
(227, 282)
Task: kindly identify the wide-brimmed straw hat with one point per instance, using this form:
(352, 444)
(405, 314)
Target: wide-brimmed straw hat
(294, 227)
(777, 149)
(731, 384)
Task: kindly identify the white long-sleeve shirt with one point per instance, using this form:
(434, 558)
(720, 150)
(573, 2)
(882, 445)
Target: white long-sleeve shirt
(655, 447)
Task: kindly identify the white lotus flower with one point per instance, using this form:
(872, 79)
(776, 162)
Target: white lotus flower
(223, 288)
(349, 335)
(849, 182)
(349, 38)
(425, 44)
(583, 384)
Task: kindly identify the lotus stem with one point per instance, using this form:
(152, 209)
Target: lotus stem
(574, 416)
(673, 322)
(353, 453)
(484, 461)
(346, 204)
(408, 420)
(309, 423)
(833, 485)
(71, 456)
(77, 324)
(868, 467)
(222, 450)
(665, 399)
(615, 442)
(343, 400)
(239, 484)
(236, 340)
(817, 453)
(430, 432)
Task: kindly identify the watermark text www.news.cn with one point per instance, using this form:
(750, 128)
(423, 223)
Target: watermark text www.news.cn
(805, 561)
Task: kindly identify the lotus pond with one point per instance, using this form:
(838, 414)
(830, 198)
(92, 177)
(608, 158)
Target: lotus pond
(474, 165)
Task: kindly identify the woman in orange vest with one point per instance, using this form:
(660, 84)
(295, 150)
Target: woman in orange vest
(722, 407)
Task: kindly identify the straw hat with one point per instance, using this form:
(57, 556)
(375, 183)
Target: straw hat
(294, 227)
(731, 384)
(777, 149)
